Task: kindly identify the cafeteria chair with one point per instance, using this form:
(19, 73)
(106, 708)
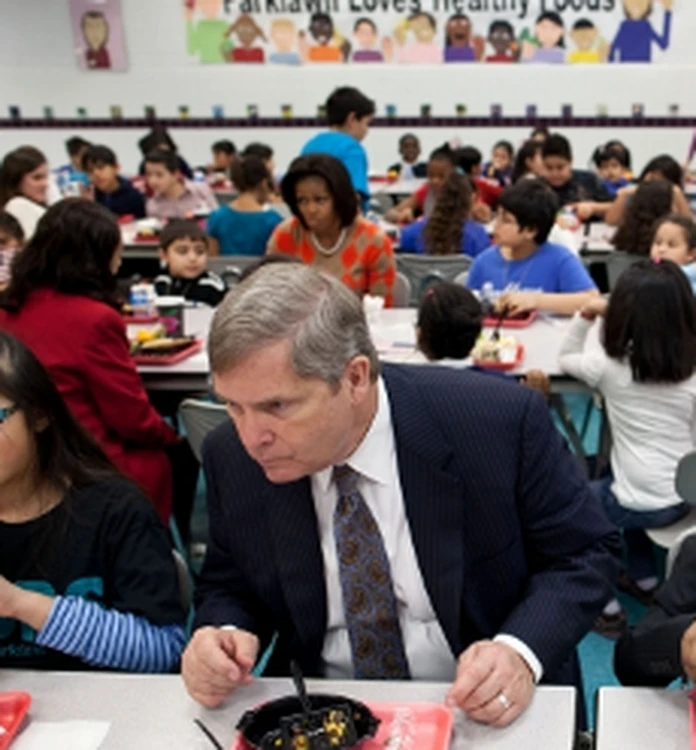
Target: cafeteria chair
(402, 290)
(199, 418)
(231, 267)
(185, 581)
(424, 270)
(616, 263)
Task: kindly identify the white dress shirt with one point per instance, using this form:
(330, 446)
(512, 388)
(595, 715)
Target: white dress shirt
(428, 652)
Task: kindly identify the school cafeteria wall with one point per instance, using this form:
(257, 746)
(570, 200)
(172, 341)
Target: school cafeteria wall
(37, 68)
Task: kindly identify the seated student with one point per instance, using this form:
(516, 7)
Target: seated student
(173, 196)
(184, 253)
(87, 577)
(583, 190)
(651, 201)
(158, 139)
(470, 161)
(224, 157)
(110, 189)
(264, 153)
(645, 372)
(62, 302)
(675, 240)
(499, 168)
(409, 168)
(348, 114)
(617, 145)
(11, 241)
(73, 172)
(422, 201)
(539, 134)
(328, 231)
(528, 162)
(244, 226)
(524, 270)
(663, 168)
(611, 167)
(24, 186)
(448, 230)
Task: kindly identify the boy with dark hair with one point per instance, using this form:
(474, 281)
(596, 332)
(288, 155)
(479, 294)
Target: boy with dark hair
(523, 270)
(111, 190)
(582, 190)
(173, 196)
(348, 114)
(72, 172)
(184, 253)
(224, 156)
(410, 167)
(611, 164)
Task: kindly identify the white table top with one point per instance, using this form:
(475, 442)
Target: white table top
(642, 719)
(400, 187)
(155, 713)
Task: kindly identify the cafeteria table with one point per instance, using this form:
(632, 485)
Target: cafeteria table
(154, 712)
(642, 719)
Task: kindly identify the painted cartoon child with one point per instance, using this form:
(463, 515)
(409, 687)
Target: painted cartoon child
(591, 48)
(423, 50)
(329, 47)
(633, 41)
(366, 38)
(501, 36)
(247, 32)
(549, 47)
(207, 37)
(460, 44)
(95, 29)
(284, 37)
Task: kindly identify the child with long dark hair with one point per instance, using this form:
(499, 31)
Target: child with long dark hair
(87, 576)
(645, 372)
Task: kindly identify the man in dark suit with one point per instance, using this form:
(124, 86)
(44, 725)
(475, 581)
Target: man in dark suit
(417, 522)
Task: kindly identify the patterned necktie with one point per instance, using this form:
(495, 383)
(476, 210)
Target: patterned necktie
(369, 602)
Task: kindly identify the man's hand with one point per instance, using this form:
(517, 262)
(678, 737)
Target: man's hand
(216, 662)
(688, 652)
(494, 684)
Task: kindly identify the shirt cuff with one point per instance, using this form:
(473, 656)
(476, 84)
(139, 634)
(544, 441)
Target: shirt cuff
(525, 652)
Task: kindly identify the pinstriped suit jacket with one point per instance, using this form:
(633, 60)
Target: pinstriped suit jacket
(507, 533)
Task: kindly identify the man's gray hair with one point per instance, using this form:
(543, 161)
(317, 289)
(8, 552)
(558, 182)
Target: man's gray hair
(322, 318)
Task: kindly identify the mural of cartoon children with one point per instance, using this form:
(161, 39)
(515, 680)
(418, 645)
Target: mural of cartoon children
(366, 38)
(284, 37)
(424, 50)
(633, 41)
(205, 38)
(247, 32)
(329, 47)
(460, 44)
(549, 47)
(95, 29)
(501, 36)
(591, 48)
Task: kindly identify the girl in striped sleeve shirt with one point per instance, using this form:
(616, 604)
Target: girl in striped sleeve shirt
(87, 577)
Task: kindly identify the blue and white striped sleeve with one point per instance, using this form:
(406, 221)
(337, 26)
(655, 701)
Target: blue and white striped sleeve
(108, 638)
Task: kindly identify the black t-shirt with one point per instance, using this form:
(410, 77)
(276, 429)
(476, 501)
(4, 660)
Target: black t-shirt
(104, 543)
(208, 287)
(582, 186)
(125, 201)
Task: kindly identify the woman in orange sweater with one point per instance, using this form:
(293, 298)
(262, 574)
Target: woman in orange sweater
(327, 230)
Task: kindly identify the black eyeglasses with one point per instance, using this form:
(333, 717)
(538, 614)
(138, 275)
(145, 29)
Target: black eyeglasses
(7, 411)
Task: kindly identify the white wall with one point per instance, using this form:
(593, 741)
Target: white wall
(37, 68)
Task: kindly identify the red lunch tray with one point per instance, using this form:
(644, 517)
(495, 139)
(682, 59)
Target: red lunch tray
(13, 709)
(157, 360)
(140, 319)
(502, 366)
(514, 322)
(418, 726)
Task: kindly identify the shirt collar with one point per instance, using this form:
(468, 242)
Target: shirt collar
(369, 459)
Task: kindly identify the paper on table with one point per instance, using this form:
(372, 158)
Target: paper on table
(62, 735)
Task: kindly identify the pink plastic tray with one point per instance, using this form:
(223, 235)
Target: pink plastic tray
(168, 359)
(13, 709)
(521, 322)
(409, 726)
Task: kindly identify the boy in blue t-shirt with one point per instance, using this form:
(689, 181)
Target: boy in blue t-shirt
(523, 270)
(348, 113)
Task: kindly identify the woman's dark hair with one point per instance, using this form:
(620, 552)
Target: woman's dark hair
(168, 159)
(156, 138)
(651, 321)
(652, 201)
(248, 173)
(337, 180)
(71, 252)
(443, 231)
(527, 151)
(66, 455)
(668, 167)
(449, 321)
(15, 167)
(685, 223)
